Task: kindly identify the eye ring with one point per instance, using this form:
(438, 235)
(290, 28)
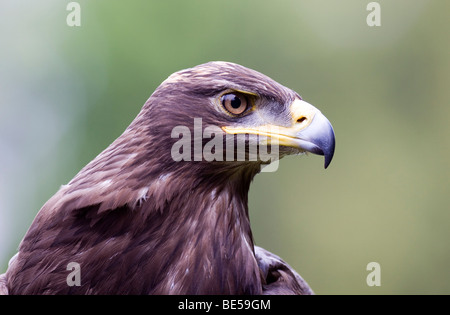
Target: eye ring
(234, 103)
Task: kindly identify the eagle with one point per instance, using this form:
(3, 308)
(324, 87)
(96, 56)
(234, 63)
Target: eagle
(164, 208)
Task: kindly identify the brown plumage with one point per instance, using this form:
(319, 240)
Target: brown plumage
(138, 222)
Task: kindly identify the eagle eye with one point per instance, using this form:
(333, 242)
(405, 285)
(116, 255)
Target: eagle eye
(235, 103)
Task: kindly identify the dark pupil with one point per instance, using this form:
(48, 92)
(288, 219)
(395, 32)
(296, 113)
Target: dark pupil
(235, 102)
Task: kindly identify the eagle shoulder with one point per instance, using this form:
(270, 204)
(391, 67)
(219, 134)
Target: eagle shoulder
(3, 287)
(280, 278)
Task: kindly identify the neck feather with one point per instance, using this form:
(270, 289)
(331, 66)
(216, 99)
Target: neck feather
(206, 232)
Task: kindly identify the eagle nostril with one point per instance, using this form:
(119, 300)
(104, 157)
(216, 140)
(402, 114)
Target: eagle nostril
(301, 119)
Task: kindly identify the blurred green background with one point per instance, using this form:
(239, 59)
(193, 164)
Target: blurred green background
(67, 92)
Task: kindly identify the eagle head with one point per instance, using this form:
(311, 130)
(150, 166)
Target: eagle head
(231, 116)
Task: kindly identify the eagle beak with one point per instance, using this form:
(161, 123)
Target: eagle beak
(317, 138)
(309, 131)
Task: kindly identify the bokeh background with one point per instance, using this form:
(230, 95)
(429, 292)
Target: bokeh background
(67, 92)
